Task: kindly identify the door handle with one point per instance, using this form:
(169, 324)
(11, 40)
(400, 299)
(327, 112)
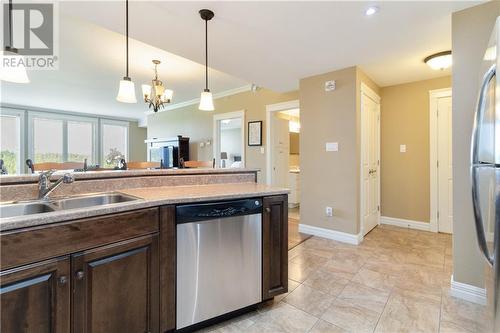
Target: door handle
(478, 218)
(476, 131)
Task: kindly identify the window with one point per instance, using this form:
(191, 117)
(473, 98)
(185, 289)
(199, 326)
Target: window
(114, 136)
(62, 138)
(47, 140)
(81, 141)
(11, 139)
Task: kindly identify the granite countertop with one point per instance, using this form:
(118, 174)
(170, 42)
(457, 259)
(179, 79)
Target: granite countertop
(148, 197)
(33, 178)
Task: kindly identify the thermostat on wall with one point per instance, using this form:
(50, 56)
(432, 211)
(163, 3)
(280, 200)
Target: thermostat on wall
(330, 85)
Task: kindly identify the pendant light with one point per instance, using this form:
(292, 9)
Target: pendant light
(17, 73)
(206, 99)
(126, 92)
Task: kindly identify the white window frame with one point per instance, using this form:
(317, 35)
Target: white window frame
(21, 139)
(32, 115)
(103, 122)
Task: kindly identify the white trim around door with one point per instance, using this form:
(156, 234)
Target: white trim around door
(294, 104)
(367, 92)
(216, 128)
(434, 95)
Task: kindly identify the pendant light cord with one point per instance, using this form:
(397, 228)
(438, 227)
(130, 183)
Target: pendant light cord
(126, 31)
(206, 55)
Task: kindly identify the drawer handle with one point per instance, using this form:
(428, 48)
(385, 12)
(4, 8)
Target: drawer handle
(63, 280)
(79, 275)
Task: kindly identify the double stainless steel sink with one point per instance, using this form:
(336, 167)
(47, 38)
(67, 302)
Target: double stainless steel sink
(45, 206)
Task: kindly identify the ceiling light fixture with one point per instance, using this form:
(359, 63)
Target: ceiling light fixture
(126, 92)
(15, 70)
(206, 99)
(371, 10)
(439, 61)
(156, 94)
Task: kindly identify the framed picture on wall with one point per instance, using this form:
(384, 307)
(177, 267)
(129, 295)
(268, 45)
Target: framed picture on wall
(255, 133)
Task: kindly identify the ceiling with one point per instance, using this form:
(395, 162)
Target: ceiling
(271, 44)
(92, 62)
(274, 44)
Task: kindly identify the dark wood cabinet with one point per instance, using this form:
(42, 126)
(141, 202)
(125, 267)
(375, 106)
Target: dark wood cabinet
(274, 246)
(116, 287)
(36, 298)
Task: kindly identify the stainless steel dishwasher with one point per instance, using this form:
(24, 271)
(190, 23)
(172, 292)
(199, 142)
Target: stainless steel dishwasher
(219, 259)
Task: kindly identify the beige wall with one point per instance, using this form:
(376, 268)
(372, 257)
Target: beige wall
(137, 148)
(331, 178)
(471, 30)
(405, 183)
(198, 125)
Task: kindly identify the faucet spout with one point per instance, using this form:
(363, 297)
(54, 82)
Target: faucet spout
(45, 187)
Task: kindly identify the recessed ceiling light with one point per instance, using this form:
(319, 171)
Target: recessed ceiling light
(371, 10)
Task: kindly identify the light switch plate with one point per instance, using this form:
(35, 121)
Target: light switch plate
(262, 150)
(402, 148)
(332, 146)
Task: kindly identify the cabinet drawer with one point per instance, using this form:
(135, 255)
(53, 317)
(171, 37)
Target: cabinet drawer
(19, 247)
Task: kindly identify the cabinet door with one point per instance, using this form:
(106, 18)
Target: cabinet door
(275, 246)
(116, 287)
(36, 298)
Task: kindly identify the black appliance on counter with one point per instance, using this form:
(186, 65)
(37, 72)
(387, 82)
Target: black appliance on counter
(170, 151)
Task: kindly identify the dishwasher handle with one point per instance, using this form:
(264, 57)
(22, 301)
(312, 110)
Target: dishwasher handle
(217, 210)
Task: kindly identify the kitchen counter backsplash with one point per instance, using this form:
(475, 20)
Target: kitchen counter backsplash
(25, 187)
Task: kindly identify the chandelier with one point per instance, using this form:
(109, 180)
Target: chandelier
(156, 95)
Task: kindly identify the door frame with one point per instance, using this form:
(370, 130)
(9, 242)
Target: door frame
(368, 93)
(216, 128)
(434, 95)
(293, 104)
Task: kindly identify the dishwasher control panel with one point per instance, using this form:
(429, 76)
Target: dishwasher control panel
(221, 209)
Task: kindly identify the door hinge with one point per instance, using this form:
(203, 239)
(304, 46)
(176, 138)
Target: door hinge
(437, 164)
(378, 162)
(378, 208)
(438, 215)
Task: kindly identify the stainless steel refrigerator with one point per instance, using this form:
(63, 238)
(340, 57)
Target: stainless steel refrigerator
(485, 175)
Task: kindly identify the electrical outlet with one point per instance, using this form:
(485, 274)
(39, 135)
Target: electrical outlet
(329, 211)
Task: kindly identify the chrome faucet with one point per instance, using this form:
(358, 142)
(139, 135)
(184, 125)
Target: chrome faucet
(45, 187)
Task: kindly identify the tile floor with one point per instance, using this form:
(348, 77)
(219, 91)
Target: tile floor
(397, 280)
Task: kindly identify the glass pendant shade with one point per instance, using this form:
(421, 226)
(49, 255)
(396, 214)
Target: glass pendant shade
(206, 101)
(167, 95)
(146, 90)
(126, 92)
(15, 74)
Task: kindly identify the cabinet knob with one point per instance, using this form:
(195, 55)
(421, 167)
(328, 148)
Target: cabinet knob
(268, 210)
(79, 274)
(63, 279)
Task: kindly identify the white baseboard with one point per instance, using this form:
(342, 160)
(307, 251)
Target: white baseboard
(331, 234)
(405, 223)
(468, 292)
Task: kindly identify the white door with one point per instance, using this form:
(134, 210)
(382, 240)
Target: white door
(280, 154)
(370, 151)
(445, 169)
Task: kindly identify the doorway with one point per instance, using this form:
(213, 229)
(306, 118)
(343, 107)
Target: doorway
(441, 166)
(283, 160)
(370, 159)
(229, 140)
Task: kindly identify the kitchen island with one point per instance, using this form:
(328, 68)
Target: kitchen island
(113, 268)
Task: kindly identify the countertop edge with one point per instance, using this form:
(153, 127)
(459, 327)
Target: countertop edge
(22, 222)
